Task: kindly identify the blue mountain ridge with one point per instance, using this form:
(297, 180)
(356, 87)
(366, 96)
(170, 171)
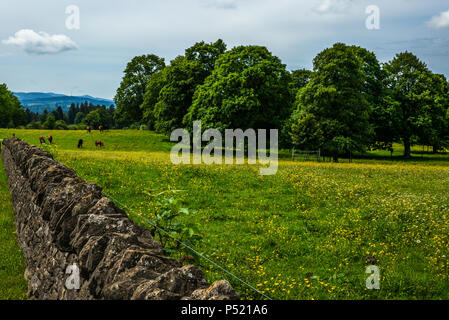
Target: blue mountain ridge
(39, 101)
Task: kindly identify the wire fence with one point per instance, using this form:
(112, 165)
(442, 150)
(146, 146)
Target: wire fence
(201, 255)
(302, 155)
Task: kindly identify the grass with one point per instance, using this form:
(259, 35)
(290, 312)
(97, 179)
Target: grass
(303, 233)
(13, 285)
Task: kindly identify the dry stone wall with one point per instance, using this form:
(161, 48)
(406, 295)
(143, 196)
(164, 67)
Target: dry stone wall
(63, 220)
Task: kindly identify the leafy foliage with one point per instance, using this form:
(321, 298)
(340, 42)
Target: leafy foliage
(12, 113)
(163, 224)
(181, 79)
(206, 54)
(409, 85)
(169, 93)
(98, 117)
(154, 86)
(348, 102)
(334, 99)
(299, 79)
(434, 124)
(305, 132)
(51, 148)
(130, 94)
(50, 122)
(247, 89)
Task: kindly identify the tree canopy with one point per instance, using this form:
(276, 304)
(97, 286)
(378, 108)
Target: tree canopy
(248, 88)
(206, 54)
(348, 102)
(409, 86)
(12, 113)
(180, 81)
(334, 100)
(130, 94)
(169, 93)
(99, 117)
(299, 79)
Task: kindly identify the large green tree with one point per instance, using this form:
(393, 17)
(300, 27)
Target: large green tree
(99, 117)
(12, 113)
(383, 111)
(299, 79)
(71, 114)
(335, 98)
(206, 54)
(79, 118)
(50, 122)
(249, 88)
(407, 83)
(181, 79)
(305, 131)
(169, 92)
(433, 121)
(154, 86)
(130, 94)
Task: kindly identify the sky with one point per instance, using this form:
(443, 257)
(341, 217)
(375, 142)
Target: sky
(43, 48)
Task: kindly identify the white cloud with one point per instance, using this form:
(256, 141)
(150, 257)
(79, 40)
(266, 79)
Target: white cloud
(439, 21)
(40, 43)
(327, 6)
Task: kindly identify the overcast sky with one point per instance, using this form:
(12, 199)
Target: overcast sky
(39, 53)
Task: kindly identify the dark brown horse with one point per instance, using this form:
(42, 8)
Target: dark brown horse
(88, 128)
(99, 143)
(41, 139)
(80, 143)
(50, 139)
(101, 128)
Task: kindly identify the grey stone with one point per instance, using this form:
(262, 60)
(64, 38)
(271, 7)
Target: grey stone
(63, 220)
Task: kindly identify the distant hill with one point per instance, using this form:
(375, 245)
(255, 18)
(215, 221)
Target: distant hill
(39, 101)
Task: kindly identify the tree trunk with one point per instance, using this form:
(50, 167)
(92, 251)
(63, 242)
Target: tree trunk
(407, 147)
(435, 149)
(335, 158)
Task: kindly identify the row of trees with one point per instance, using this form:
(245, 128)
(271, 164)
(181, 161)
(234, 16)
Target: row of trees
(13, 114)
(77, 117)
(90, 114)
(349, 101)
(245, 87)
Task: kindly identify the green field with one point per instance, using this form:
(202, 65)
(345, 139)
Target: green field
(12, 267)
(303, 233)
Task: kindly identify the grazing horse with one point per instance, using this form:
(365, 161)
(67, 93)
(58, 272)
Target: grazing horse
(50, 139)
(41, 139)
(99, 143)
(101, 128)
(88, 128)
(80, 143)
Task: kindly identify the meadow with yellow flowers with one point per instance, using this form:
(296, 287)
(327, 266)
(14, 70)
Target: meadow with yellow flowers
(308, 232)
